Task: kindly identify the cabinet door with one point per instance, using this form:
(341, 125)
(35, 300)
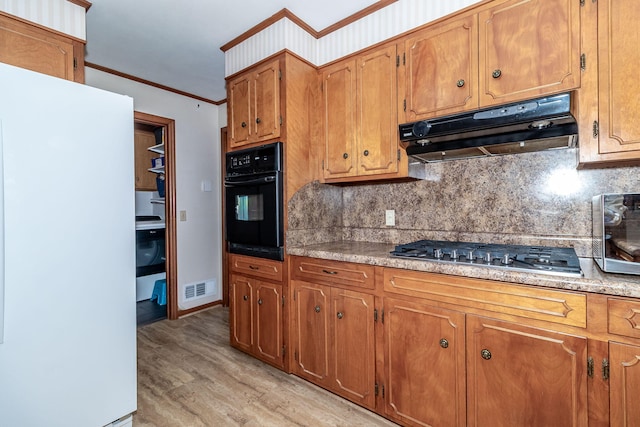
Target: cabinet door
(519, 376)
(266, 102)
(618, 38)
(241, 312)
(27, 46)
(239, 107)
(624, 383)
(269, 322)
(439, 71)
(528, 49)
(311, 332)
(145, 180)
(352, 346)
(339, 119)
(424, 364)
(377, 138)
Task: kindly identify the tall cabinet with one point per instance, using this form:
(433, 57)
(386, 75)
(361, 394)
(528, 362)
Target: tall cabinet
(274, 100)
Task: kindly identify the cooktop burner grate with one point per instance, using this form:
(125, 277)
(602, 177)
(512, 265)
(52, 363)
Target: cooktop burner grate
(540, 259)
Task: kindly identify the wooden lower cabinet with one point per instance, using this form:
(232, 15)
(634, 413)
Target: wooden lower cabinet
(521, 376)
(255, 309)
(424, 362)
(333, 340)
(624, 384)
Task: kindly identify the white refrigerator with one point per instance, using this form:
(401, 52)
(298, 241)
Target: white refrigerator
(67, 261)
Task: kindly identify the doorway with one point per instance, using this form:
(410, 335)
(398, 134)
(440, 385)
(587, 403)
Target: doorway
(167, 127)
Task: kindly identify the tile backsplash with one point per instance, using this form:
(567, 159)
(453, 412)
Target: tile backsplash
(534, 198)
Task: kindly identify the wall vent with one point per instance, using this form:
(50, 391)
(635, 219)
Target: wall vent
(197, 293)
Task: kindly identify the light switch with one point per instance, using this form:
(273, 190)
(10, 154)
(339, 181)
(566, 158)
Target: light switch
(205, 185)
(183, 215)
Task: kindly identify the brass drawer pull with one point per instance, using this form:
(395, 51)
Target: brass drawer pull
(254, 268)
(444, 343)
(329, 272)
(486, 354)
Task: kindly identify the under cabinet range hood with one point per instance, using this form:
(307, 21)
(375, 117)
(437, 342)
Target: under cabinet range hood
(534, 125)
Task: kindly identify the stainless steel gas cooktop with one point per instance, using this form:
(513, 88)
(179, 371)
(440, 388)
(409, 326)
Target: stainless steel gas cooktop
(538, 259)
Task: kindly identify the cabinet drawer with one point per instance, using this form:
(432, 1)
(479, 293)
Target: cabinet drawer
(567, 308)
(624, 317)
(257, 267)
(333, 272)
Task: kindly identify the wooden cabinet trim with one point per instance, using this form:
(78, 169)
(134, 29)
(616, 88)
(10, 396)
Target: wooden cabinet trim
(623, 317)
(333, 272)
(495, 297)
(257, 267)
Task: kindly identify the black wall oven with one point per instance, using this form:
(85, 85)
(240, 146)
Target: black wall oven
(253, 200)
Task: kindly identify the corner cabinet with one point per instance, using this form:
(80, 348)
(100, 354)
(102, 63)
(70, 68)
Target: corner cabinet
(608, 100)
(254, 105)
(256, 304)
(359, 119)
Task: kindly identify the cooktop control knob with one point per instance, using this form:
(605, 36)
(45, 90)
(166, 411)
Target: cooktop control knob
(453, 255)
(437, 253)
(506, 259)
(471, 256)
(488, 258)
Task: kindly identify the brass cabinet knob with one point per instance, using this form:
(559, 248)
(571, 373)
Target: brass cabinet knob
(486, 354)
(244, 124)
(366, 152)
(259, 301)
(340, 315)
(317, 309)
(345, 156)
(496, 74)
(258, 120)
(460, 83)
(444, 343)
(245, 298)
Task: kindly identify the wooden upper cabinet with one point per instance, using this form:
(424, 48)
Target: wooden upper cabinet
(521, 376)
(339, 119)
(528, 48)
(376, 106)
(607, 99)
(29, 46)
(254, 105)
(438, 70)
(619, 56)
(359, 117)
(239, 107)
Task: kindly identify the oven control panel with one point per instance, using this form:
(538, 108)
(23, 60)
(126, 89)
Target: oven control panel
(263, 159)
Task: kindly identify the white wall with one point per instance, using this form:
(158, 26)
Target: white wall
(198, 126)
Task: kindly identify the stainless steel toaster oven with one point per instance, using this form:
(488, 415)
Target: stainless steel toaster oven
(616, 232)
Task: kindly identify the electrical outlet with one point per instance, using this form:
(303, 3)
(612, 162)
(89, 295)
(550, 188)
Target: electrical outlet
(390, 217)
(183, 215)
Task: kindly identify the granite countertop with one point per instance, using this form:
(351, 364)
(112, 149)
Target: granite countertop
(593, 280)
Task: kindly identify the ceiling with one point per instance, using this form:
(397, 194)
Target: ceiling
(176, 43)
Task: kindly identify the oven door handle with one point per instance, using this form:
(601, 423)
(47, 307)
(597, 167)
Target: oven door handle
(262, 180)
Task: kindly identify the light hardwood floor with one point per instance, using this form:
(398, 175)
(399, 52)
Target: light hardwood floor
(188, 375)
